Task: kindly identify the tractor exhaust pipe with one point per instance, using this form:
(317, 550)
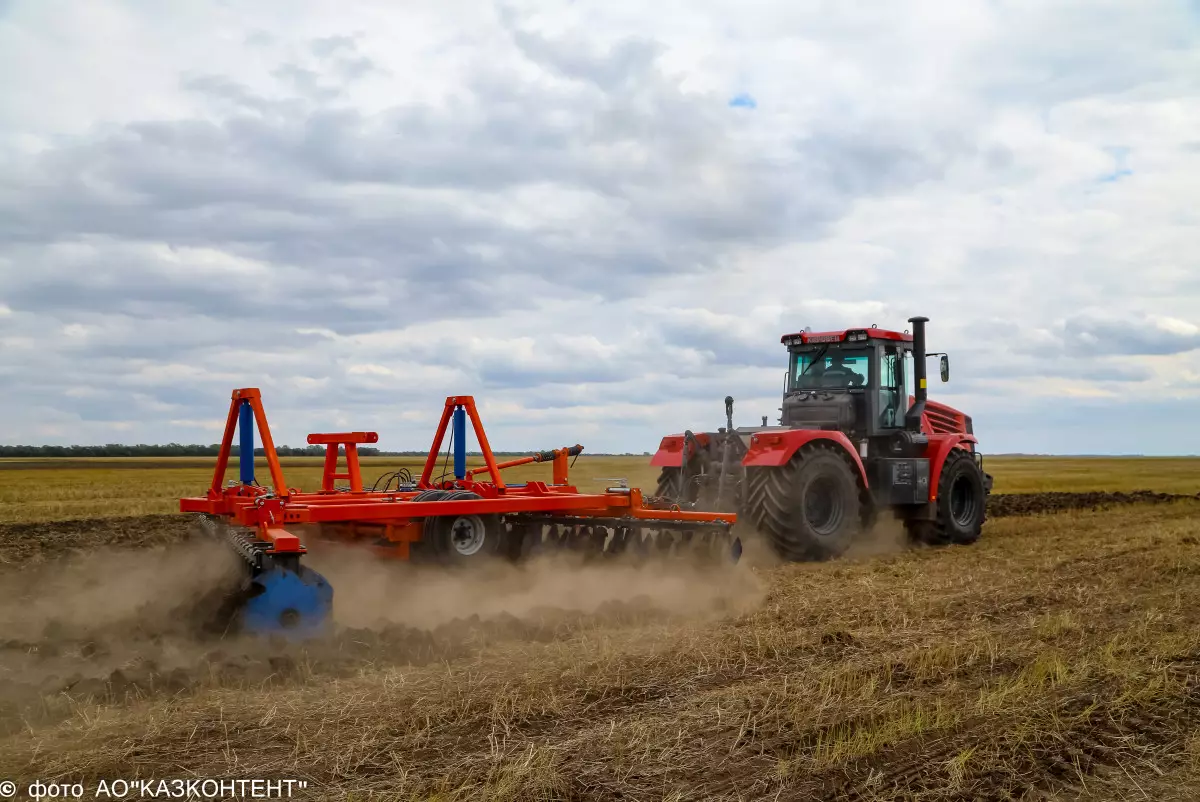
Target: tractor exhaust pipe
(912, 420)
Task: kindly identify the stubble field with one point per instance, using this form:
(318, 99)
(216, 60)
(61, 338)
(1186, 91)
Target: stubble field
(1057, 658)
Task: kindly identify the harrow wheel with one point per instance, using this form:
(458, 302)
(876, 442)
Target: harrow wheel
(809, 508)
(463, 539)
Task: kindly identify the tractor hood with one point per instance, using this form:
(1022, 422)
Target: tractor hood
(944, 419)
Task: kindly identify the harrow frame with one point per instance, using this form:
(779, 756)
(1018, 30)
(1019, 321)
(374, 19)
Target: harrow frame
(396, 518)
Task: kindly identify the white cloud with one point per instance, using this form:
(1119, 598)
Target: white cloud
(364, 209)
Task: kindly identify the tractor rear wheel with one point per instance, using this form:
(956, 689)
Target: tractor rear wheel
(961, 505)
(669, 480)
(810, 508)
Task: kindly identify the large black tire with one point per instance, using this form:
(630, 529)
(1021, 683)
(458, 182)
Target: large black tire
(961, 506)
(668, 483)
(463, 540)
(809, 508)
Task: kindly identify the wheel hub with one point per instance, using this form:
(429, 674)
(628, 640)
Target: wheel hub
(467, 534)
(823, 506)
(962, 501)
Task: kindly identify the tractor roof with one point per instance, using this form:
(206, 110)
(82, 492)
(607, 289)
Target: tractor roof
(845, 335)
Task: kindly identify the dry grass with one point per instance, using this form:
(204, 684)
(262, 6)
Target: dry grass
(1080, 474)
(1058, 658)
(41, 490)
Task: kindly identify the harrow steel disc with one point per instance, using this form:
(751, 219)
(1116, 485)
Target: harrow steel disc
(611, 539)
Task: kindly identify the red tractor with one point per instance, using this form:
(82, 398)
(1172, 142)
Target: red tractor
(857, 437)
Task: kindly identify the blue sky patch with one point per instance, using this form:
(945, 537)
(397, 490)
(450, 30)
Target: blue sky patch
(1119, 171)
(743, 101)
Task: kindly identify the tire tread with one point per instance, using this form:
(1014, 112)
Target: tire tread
(768, 499)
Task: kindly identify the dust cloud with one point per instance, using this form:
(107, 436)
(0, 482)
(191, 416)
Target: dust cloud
(370, 592)
(117, 623)
(886, 536)
(148, 589)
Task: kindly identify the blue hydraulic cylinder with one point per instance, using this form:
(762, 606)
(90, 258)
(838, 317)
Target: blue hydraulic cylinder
(246, 447)
(460, 443)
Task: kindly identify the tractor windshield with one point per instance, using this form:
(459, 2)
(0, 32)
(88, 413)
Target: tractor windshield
(829, 367)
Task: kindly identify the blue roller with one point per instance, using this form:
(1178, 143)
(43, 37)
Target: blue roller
(294, 604)
(460, 443)
(246, 450)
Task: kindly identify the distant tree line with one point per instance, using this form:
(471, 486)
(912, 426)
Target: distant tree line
(179, 450)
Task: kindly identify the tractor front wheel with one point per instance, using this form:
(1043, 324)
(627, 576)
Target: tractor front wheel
(961, 505)
(809, 508)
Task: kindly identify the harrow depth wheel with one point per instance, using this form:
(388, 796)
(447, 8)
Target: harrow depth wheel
(467, 534)
(463, 539)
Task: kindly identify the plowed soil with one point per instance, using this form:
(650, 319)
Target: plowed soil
(22, 543)
(1005, 504)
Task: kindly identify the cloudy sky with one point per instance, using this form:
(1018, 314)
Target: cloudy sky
(597, 218)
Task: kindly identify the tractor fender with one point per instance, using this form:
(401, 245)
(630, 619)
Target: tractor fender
(670, 450)
(938, 450)
(771, 449)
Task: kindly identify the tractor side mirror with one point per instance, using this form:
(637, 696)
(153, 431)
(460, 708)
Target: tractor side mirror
(945, 366)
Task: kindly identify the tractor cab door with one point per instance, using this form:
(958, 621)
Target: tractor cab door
(895, 372)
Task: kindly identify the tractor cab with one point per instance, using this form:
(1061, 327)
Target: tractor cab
(857, 436)
(857, 381)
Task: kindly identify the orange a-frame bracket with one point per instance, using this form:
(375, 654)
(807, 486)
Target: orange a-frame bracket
(248, 396)
(459, 407)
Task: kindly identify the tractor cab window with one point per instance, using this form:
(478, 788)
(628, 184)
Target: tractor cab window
(830, 367)
(894, 365)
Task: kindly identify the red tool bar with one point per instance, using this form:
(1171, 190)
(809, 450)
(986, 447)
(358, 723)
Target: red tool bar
(380, 511)
(226, 503)
(601, 505)
(342, 438)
